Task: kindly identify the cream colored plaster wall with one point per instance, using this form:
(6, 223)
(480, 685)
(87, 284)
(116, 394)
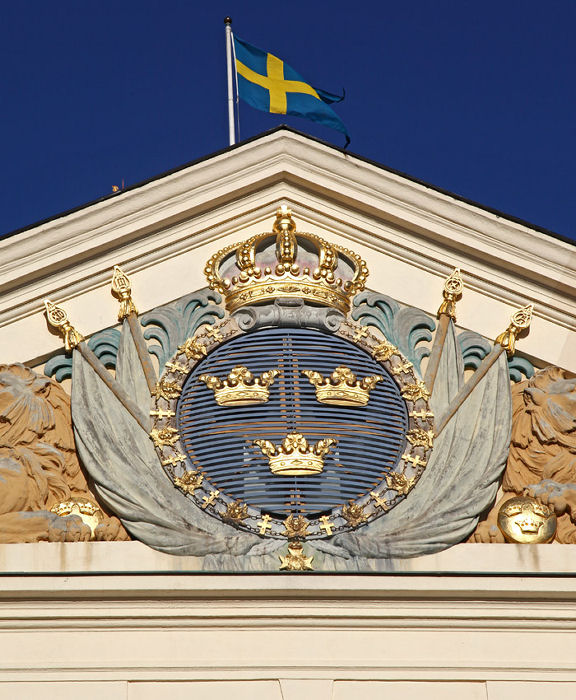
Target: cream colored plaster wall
(174, 276)
(57, 558)
(117, 620)
(286, 690)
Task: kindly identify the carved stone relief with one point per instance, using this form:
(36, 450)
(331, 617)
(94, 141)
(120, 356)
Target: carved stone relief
(185, 479)
(542, 457)
(39, 467)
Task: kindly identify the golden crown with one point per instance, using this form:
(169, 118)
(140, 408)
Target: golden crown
(240, 387)
(529, 525)
(284, 263)
(88, 511)
(295, 457)
(342, 388)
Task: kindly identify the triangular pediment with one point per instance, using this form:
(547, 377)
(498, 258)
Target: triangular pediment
(163, 231)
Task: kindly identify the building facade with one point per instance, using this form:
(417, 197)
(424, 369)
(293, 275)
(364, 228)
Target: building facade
(311, 436)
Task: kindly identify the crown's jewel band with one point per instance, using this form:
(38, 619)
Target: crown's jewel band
(286, 263)
(342, 388)
(295, 457)
(240, 387)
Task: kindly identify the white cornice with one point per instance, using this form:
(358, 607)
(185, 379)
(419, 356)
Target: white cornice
(143, 616)
(198, 205)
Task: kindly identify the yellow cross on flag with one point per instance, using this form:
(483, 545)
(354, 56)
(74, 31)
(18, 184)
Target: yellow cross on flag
(268, 84)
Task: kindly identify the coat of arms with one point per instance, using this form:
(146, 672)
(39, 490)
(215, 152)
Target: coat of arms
(293, 413)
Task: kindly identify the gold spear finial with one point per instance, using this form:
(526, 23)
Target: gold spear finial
(519, 321)
(453, 287)
(122, 289)
(58, 318)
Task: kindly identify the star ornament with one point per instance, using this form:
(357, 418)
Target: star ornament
(295, 559)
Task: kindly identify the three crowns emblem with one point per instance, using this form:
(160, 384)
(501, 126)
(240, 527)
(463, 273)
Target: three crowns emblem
(295, 456)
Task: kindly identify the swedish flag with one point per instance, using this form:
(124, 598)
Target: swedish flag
(267, 83)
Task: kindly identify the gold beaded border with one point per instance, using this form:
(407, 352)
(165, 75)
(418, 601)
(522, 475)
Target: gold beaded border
(393, 488)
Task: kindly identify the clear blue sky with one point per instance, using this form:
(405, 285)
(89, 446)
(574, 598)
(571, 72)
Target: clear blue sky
(477, 98)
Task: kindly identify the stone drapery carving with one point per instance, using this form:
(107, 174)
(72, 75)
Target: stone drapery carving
(38, 463)
(462, 476)
(542, 457)
(122, 461)
(189, 312)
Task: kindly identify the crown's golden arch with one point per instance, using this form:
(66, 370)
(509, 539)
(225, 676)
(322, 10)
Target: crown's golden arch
(286, 263)
(295, 456)
(342, 388)
(240, 387)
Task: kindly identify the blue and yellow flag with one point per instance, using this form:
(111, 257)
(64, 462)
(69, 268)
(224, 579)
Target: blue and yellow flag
(267, 83)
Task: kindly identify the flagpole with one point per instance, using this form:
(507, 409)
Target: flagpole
(231, 134)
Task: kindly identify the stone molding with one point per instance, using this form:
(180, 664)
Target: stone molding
(359, 202)
(122, 612)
